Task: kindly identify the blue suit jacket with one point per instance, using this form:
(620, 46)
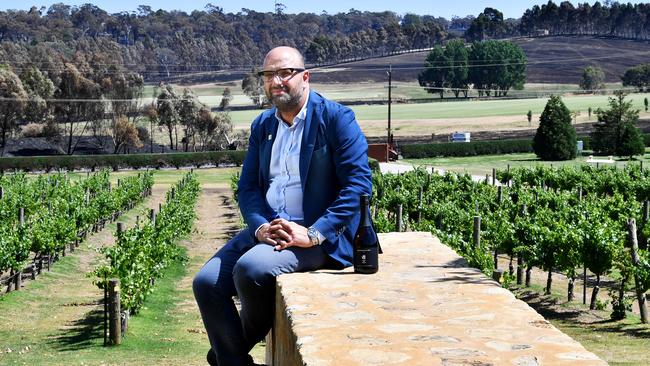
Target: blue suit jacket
(334, 172)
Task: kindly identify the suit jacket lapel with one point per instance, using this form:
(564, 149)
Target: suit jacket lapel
(309, 136)
(270, 131)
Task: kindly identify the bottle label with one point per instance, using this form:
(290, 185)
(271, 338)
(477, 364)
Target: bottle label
(366, 259)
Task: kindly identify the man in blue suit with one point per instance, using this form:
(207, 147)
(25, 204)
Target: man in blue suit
(299, 191)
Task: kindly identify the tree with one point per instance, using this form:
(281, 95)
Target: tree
(457, 73)
(615, 133)
(188, 113)
(631, 142)
(555, 138)
(167, 113)
(125, 135)
(592, 79)
(226, 98)
(645, 103)
(39, 89)
(488, 24)
(529, 116)
(13, 100)
(253, 87)
(638, 76)
(73, 109)
(497, 66)
(433, 77)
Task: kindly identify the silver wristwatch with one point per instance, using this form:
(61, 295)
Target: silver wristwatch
(313, 236)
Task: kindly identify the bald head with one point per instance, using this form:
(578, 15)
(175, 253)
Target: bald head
(287, 56)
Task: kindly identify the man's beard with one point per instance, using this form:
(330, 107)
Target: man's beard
(286, 101)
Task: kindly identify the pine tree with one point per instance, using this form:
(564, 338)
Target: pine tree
(616, 132)
(555, 138)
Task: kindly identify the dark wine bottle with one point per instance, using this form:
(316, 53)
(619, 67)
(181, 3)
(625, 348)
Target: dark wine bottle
(366, 250)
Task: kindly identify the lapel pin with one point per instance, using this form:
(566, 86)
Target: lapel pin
(270, 137)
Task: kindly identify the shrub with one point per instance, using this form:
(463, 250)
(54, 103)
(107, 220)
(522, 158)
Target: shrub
(419, 151)
(133, 161)
(555, 138)
(32, 130)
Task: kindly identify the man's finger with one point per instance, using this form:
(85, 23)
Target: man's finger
(282, 244)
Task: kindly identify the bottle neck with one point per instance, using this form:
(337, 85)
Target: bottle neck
(365, 211)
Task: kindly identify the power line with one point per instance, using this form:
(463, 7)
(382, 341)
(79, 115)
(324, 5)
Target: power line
(204, 68)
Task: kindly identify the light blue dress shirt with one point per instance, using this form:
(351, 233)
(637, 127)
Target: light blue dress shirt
(285, 191)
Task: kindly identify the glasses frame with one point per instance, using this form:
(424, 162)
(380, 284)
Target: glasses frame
(275, 73)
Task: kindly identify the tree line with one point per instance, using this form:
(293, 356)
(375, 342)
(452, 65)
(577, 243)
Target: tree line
(102, 100)
(159, 43)
(163, 43)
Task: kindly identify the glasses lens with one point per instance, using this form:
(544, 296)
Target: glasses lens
(285, 73)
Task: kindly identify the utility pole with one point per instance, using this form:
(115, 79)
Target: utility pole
(389, 139)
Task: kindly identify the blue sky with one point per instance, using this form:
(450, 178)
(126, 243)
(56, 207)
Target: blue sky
(445, 8)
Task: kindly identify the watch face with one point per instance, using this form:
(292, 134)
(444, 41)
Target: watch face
(313, 237)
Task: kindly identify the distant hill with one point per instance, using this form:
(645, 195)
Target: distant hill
(550, 60)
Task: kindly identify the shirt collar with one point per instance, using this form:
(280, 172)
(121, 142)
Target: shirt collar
(301, 116)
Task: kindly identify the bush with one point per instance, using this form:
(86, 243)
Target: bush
(115, 162)
(374, 165)
(419, 151)
(32, 130)
(555, 138)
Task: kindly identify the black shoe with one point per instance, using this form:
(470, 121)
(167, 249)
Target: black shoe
(212, 358)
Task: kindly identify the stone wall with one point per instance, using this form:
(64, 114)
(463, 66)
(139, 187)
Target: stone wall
(423, 307)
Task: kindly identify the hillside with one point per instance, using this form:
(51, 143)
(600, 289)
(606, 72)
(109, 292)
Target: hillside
(551, 60)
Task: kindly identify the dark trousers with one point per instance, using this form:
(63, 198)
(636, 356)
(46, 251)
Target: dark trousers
(248, 270)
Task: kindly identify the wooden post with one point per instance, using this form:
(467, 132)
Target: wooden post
(173, 193)
(579, 193)
(494, 176)
(584, 276)
(497, 275)
(641, 165)
(18, 279)
(114, 317)
(399, 222)
(487, 178)
(105, 313)
(646, 211)
(19, 274)
(520, 270)
(640, 296)
(2, 193)
(477, 231)
(152, 216)
(10, 281)
(499, 194)
(32, 270)
(420, 206)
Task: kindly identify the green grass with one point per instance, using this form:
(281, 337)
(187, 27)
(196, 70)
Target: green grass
(463, 109)
(483, 164)
(623, 342)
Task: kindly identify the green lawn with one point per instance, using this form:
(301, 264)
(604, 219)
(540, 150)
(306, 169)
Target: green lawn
(483, 164)
(464, 109)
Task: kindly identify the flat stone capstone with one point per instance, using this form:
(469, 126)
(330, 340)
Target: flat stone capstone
(425, 306)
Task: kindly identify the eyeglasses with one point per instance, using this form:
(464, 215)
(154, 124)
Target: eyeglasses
(284, 74)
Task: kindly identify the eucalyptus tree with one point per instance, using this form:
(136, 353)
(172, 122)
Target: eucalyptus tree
(13, 101)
